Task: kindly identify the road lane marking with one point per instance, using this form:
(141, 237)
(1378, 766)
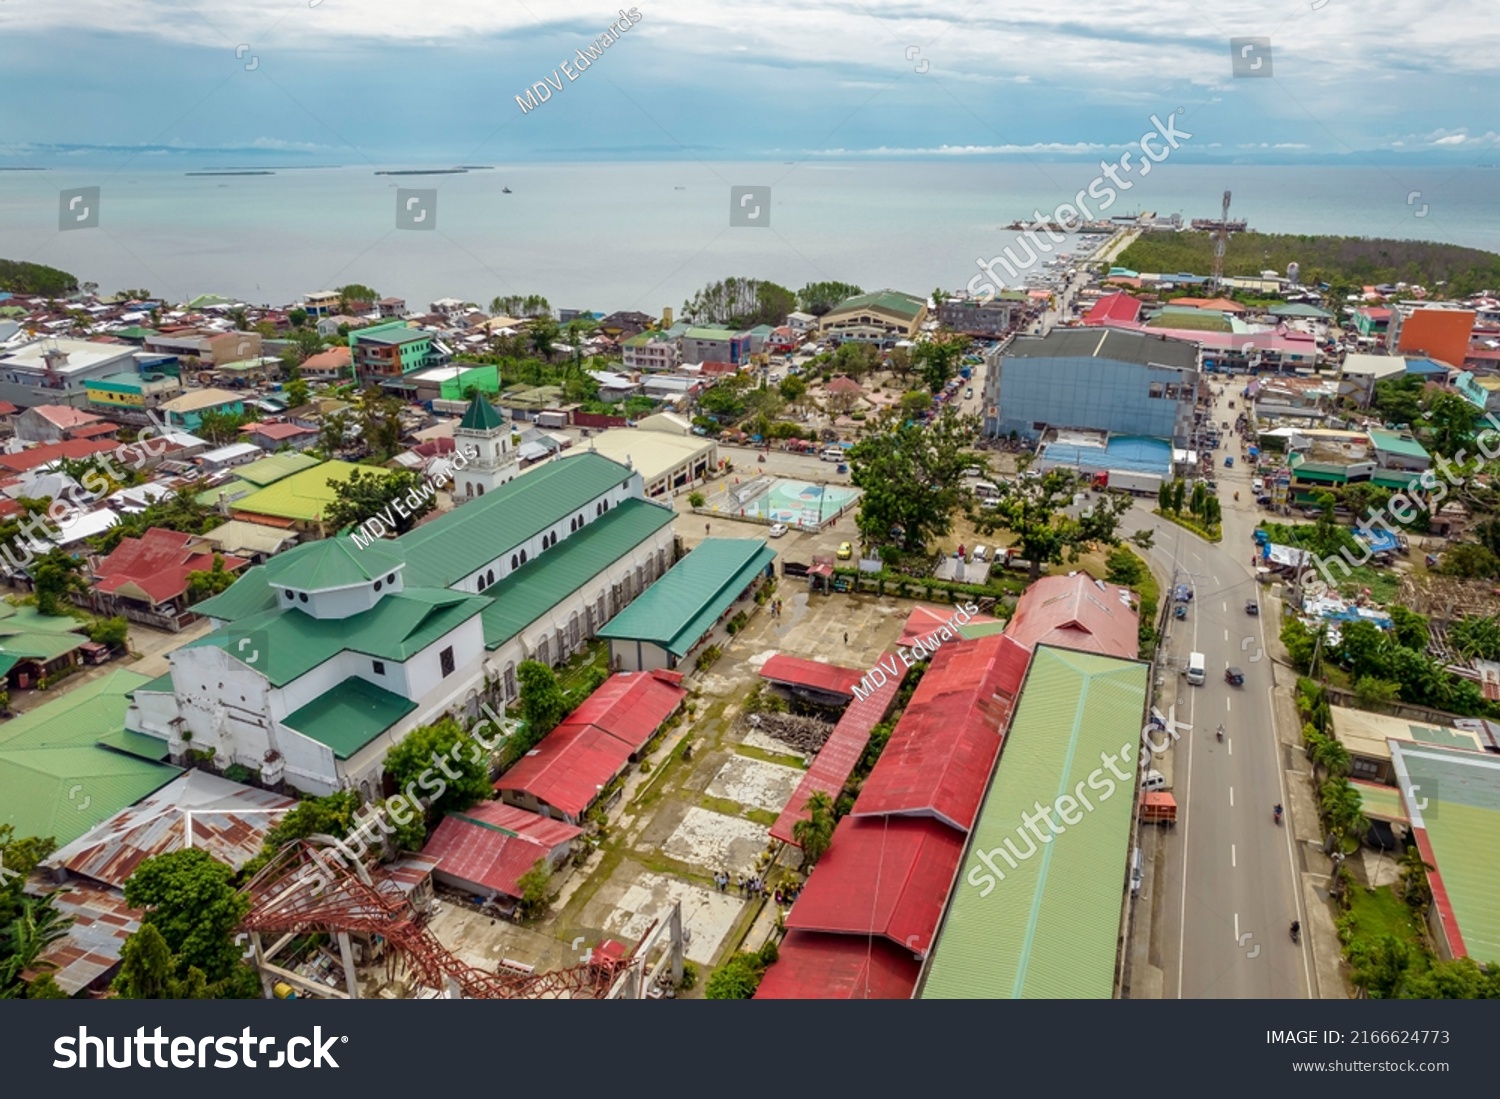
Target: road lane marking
(1226, 635)
(1231, 797)
(1229, 704)
(1236, 927)
(1234, 862)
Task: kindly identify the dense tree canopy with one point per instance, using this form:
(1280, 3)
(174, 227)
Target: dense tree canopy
(373, 492)
(188, 897)
(740, 303)
(21, 277)
(911, 475)
(1032, 508)
(818, 298)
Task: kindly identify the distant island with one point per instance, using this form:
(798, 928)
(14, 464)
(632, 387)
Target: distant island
(477, 167)
(245, 172)
(20, 277)
(1342, 262)
(423, 172)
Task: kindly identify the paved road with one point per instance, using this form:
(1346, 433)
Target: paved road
(1225, 891)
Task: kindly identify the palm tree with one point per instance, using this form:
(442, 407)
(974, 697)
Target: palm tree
(816, 832)
(1342, 809)
(37, 924)
(1332, 757)
(1414, 871)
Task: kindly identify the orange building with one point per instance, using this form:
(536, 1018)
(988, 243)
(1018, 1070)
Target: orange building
(1441, 334)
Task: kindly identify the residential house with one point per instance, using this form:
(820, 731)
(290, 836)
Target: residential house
(623, 325)
(57, 370)
(982, 319)
(132, 392)
(146, 578)
(391, 307)
(187, 411)
(274, 436)
(651, 352)
(615, 387)
(388, 352)
(321, 303)
(327, 365)
(52, 423)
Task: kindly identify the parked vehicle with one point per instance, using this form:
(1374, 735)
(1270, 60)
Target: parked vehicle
(1252, 608)
(1197, 669)
(777, 530)
(846, 551)
(1160, 808)
(1153, 781)
(980, 553)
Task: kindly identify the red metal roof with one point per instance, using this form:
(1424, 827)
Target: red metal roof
(811, 966)
(797, 672)
(940, 756)
(91, 431)
(887, 877)
(1114, 307)
(835, 761)
(492, 844)
(42, 455)
(277, 431)
(158, 564)
(1072, 612)
(924, 621)
(630, 706)
(65, 416)
(567, 768)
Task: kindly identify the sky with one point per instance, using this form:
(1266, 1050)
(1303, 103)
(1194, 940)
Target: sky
(435, 82)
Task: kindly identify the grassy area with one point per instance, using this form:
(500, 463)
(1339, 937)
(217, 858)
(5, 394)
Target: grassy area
(1211, 534)
(720, 805)
(1383, 583)
(763, 817)
(764, 756)
(577, 674)
(1374, 913)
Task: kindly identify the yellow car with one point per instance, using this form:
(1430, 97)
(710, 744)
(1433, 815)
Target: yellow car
(846, 551)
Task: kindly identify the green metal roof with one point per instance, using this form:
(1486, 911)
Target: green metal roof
(1048, 928)
(349, 716)
(537, 586)
(55, 777)
(267, 471)
(27, 635)
(685, 603)
(1394, 478)
(710, 333)
(982, 629)
(303, 495)
(232, 491)
(481, 416)
(1299, 309)
(449, 548)
(137, 744)
(1397, 442)
(1459, 808)
(334, 563)
(161, 683)
(892, 301)
(401, 624)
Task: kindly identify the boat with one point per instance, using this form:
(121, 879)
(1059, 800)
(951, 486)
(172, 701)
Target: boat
(505, 190)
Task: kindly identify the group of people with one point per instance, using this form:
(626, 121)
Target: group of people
(756, 887)
(776, 608)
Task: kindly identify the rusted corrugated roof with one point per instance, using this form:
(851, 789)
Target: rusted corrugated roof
(224, 818)
(102, 921)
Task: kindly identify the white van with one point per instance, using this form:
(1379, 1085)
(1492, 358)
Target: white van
(980, 552)
(1197, 672)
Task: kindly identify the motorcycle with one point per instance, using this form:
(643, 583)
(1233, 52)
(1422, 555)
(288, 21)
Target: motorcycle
(1296, 931)
(1278, 814)
(1221, 734)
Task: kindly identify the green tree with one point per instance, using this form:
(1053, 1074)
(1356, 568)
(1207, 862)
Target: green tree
(1179, 495)
(1125, 568)
(534, 886)
(696, 499)
(297, 318)
(54, 576)
(1476, 637)
(372, 492)
(1414, 870)
(113, 632)
(1032, 509)
(1164, 493)
(1470, 561)
(187, 895)
(819, 298)
(34, 925)
(380, 422)
(1458, 979)
(1300, 643)
(1451, 421)
(814, 832)
(1374, 694)
(180, 512)
(356, 292)
(1409, 628)
(148, 971)
(297, 392)
(914, 403)
(793, 388)
(204, 584)
(437, 752)
(937, 360)
(912, 478)
(543, 334)
(543, 703)
(1378, 965)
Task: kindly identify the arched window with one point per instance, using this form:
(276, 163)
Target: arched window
(481, 490)
(509, 678)
(544, 651)
(481, 583)
(514, 561)
(490, 576)
(573, 637)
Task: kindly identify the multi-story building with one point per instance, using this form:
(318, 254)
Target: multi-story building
(651, 351)
(57, 371)
(1127, 383)
(715, 345)
(977, 318)
(389, 351)
(132, 392)
(321, 303)
(329, 654)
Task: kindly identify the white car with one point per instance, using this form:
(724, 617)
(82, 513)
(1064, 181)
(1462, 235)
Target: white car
(1256, 484)
(777, 530)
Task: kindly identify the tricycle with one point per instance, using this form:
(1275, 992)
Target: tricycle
(1228, 462)
(1180, 612)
